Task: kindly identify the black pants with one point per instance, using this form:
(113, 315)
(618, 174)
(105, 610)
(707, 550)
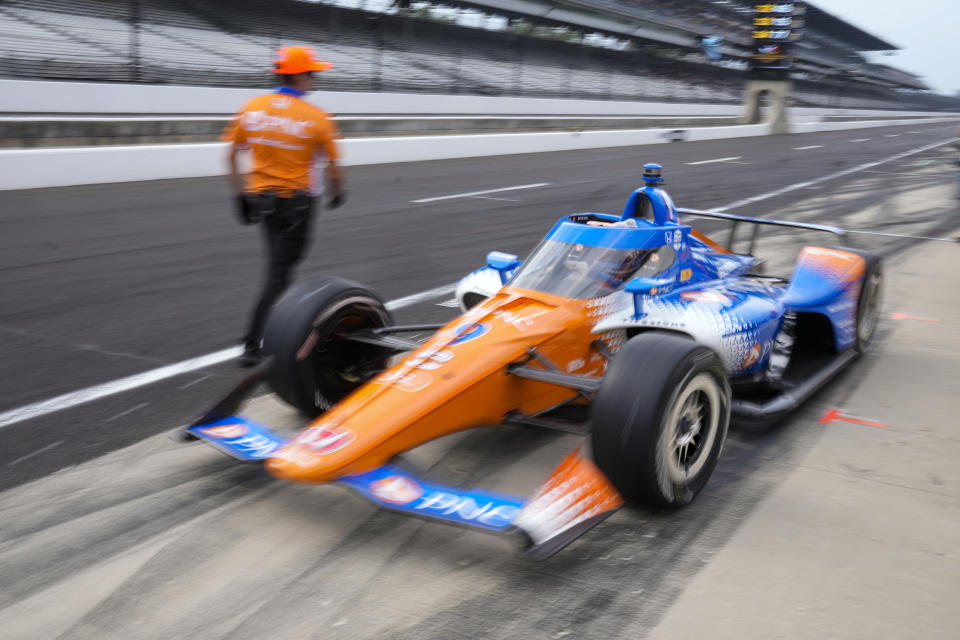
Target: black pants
(286, 229)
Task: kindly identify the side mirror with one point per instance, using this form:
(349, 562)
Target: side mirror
(642, 288)
(505, 263)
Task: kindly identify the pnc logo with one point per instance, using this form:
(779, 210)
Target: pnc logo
(323, 440)
(226, 431)
(396, 490)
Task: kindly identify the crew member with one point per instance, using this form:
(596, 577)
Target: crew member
(288, 138)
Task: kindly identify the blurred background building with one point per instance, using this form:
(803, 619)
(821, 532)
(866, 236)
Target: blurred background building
(662, 50)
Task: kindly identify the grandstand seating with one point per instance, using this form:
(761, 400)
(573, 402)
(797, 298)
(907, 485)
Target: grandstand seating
(196, 42)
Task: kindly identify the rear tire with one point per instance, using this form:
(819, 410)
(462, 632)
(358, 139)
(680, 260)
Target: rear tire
(660, 419)
(313, 368)
(868, 302)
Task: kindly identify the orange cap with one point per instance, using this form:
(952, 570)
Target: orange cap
(298, 60)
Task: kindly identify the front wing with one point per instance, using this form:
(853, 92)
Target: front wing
(574, 498)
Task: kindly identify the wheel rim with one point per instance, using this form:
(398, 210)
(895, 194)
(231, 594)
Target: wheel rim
(332, 358)
(869, 307)
(692, 425)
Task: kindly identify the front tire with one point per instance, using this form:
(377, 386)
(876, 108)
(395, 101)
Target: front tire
(660, 419)
(314, 367)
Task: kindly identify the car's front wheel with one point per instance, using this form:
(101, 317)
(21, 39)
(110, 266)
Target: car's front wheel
(315, 365)
(660, 419)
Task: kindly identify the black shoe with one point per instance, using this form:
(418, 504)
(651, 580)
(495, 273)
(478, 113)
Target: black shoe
(250, 357)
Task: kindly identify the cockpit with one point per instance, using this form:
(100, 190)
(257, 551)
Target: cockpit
(592, 255)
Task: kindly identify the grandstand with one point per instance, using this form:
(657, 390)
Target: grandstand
(215, 42)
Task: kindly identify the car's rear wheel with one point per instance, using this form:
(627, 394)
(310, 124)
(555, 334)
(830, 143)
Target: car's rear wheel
(660, 419)
(868, 302)
(314, 365)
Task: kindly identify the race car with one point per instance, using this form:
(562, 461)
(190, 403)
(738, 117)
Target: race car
(634, 330)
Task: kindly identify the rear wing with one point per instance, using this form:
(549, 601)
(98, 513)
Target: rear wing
(757, 223)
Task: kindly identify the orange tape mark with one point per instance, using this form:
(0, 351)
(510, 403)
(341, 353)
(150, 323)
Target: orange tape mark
(834, 415)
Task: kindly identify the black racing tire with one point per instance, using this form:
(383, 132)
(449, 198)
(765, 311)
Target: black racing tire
(312, 368)
(869, 300)
(660, 419)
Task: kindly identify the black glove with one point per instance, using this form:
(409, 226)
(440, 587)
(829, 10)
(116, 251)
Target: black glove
(246, 212)
(337, 200)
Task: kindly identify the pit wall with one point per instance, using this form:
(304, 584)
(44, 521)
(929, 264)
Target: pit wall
(43, 97)
(38, 168)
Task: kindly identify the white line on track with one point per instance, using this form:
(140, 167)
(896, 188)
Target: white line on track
(75, 398)
(831, 176)
(36, 453)
(891, 135)
(193, 382)
(715, 160)
(480, 193)
(861, 139)
(812, 146)
(127, 412)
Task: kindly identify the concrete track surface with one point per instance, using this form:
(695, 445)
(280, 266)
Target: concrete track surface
(825, 526)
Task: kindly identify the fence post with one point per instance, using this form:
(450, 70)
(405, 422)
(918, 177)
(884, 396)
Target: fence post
(135, 40)
(457, 69)
(518, 71)
(378, 64)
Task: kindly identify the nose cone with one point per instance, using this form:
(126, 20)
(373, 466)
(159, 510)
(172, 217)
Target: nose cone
(318, 454)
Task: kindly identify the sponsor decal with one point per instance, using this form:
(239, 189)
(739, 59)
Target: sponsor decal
(396, 490)
(574, 365)
(465, 508)
(242, 439)
(712, 297)
(430, 359)
(263, 121)
(520, 323)
(409, 381)
(470, 331)
(673, 324)
(226, 431)
(677, 240)
(255, 446)
(323, 439)
(752, 357)
(686, 274)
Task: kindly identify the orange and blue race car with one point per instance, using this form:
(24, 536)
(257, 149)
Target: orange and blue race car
(635, 330)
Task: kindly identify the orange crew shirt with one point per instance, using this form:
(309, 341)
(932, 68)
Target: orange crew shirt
(288, 137)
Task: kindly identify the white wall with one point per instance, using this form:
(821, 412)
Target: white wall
(34, 168)
(35, 96)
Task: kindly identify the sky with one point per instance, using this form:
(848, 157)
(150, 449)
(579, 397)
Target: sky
(927, 32)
